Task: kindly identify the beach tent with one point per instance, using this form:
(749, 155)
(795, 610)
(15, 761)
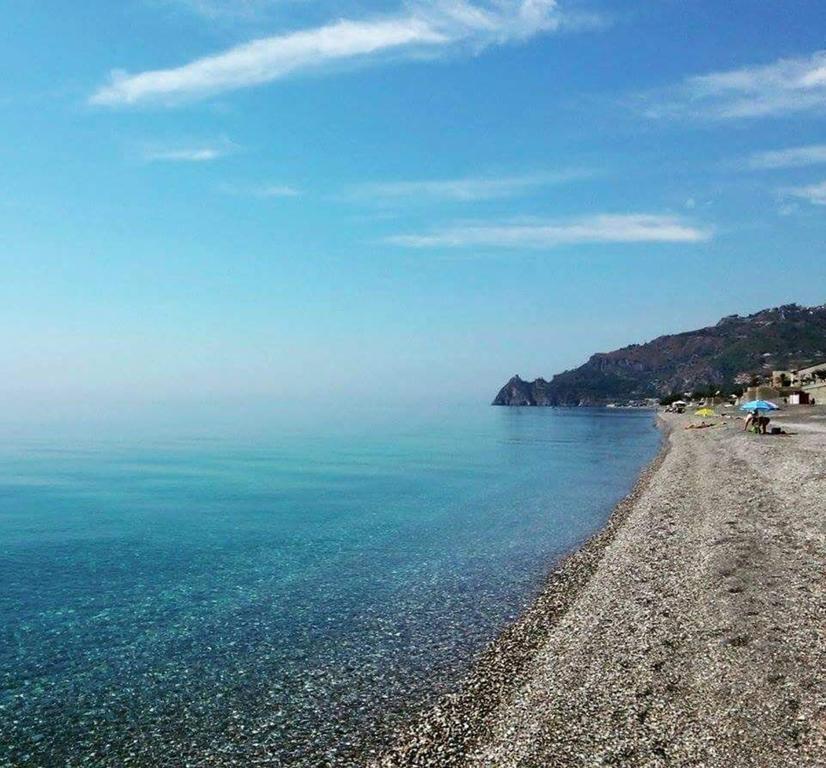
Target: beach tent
(679, 402)
(758, 405)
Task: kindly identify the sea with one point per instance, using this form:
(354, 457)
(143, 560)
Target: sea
(287, 593)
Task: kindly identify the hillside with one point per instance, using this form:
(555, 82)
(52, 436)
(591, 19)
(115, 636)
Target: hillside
(721, 355)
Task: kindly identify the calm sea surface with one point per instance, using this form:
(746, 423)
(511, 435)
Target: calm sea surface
(284, 596)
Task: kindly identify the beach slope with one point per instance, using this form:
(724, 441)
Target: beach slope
(691, 632)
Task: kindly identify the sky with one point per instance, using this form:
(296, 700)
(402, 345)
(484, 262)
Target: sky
(298, 202)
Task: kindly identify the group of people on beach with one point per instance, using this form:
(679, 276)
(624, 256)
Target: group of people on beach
(755, 422)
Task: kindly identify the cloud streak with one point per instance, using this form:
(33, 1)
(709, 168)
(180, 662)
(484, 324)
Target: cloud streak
(791, 157)
(261, 191)
(184, 155)
(221, 9)
(467, 189)
(786, 86)
(192, 152)
(431, 29)
(812, 193)
(603, 228)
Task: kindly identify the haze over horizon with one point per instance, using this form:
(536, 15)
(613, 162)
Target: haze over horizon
(216, 201)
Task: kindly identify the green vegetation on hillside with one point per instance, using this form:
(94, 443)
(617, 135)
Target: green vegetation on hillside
(735, 352)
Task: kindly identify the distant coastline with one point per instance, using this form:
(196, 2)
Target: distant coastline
(734, 353)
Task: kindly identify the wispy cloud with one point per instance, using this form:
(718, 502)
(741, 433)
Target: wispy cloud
(262, 191)
(465, 189)
(604, 228)
(792, 157)
(786, 86)
(194, 152)
(221, 9)
(425, 28)
(188, 155)
(812, 193)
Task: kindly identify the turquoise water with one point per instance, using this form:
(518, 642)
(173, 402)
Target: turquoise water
(285, 596)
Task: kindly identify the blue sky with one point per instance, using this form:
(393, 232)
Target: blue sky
(284, 199)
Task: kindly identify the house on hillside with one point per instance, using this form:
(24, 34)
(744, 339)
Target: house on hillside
(797, 387)
(812, 381)
(800, 398)
(784, 379)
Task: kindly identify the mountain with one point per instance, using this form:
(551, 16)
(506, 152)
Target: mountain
(720, 356)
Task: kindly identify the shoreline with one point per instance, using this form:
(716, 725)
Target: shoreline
(688, 630)
(445, 733)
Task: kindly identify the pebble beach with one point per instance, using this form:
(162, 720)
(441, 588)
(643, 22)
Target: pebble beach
(690, 631)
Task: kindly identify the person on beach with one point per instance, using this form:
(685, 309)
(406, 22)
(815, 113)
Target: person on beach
(759, 423)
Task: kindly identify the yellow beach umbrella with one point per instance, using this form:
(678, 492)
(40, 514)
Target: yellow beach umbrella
(704, 412)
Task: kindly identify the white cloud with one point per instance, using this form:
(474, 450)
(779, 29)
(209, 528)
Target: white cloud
(604, 228)
(786, 86)
(465, 189)
(184, 155)
(813, 193)
(792, 157)
(194, 152)
(262, 191)
(428, 28)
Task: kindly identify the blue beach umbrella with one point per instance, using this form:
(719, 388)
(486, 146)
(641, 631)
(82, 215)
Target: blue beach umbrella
(758, 405)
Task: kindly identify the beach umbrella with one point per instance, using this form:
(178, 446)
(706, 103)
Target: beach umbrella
(758, 405)
(704, 412)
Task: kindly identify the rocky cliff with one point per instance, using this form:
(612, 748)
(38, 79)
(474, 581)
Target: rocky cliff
(782, 338)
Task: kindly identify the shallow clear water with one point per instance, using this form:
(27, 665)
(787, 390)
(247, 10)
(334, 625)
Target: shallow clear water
(282, 597)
